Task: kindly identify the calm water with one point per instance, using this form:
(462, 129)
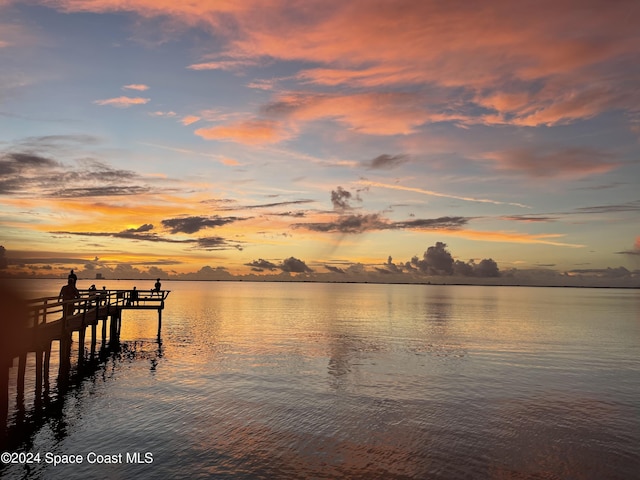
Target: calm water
(272, 381)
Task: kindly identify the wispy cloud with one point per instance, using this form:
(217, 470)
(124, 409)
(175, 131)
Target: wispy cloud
(544, 162)
(437, 194)
(122, 102)
(360, 223)
(136, 86)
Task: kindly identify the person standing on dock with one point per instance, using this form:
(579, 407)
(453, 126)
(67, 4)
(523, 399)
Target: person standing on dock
(68, 292)
(73, 276)
(133, 297)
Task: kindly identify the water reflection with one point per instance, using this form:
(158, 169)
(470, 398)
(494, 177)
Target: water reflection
(47, 408)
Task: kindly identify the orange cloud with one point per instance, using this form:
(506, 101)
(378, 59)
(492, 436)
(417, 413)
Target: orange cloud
(122, 102)
(547, 55)
(252, 132)
(136, 86)
(189, 119)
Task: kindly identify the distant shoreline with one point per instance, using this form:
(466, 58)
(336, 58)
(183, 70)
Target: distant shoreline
(272, 280)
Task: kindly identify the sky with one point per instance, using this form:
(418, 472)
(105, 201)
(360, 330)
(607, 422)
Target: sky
(338, 139)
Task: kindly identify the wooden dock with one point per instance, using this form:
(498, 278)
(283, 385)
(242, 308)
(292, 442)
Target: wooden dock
(47, 323)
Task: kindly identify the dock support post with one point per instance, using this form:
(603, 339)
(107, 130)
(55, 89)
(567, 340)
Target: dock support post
(115, 322)
(4, 393)
(159, 322)
(65, 357)
(39, 355)
(47, 363)
(81, 334)
(22, 367)
(104, 332)
(94, 329)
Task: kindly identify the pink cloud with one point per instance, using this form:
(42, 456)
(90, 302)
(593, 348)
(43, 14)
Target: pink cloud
(528, 63)
(122, 102)
(369, 113)
(252, 132)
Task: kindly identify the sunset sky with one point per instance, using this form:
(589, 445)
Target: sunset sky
(269, 136)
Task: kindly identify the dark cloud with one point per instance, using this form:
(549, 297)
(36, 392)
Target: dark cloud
(341, 198)
(262, 265)
(486, 268)
(529, 218)
(216, 243)
(348, 224)
(436, 260)
(195, 224)
(431, 223)
(127, 234)
(603, 272)
(298, 214)
(386, 162)
(334, 269)
(628, 252)
(56, 141)
(35, 174)
(275, 204)
(294, 265)
(106, 191)
(615, 208)
(230, 205)
(367, 222)
(142, 228)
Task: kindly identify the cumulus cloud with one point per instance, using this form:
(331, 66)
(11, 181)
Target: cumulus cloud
(436, 260)
(196, 223)
(261, 265)
(294, 265)
(333, 269)
(122, 102)
(289, 265)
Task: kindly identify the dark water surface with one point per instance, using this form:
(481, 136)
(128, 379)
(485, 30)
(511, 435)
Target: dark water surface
(276, 380)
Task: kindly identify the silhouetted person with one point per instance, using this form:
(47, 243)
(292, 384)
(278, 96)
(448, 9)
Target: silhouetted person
(73, 276)
(93, 292)
(68, 292)
(133, 296)
(156, 287)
